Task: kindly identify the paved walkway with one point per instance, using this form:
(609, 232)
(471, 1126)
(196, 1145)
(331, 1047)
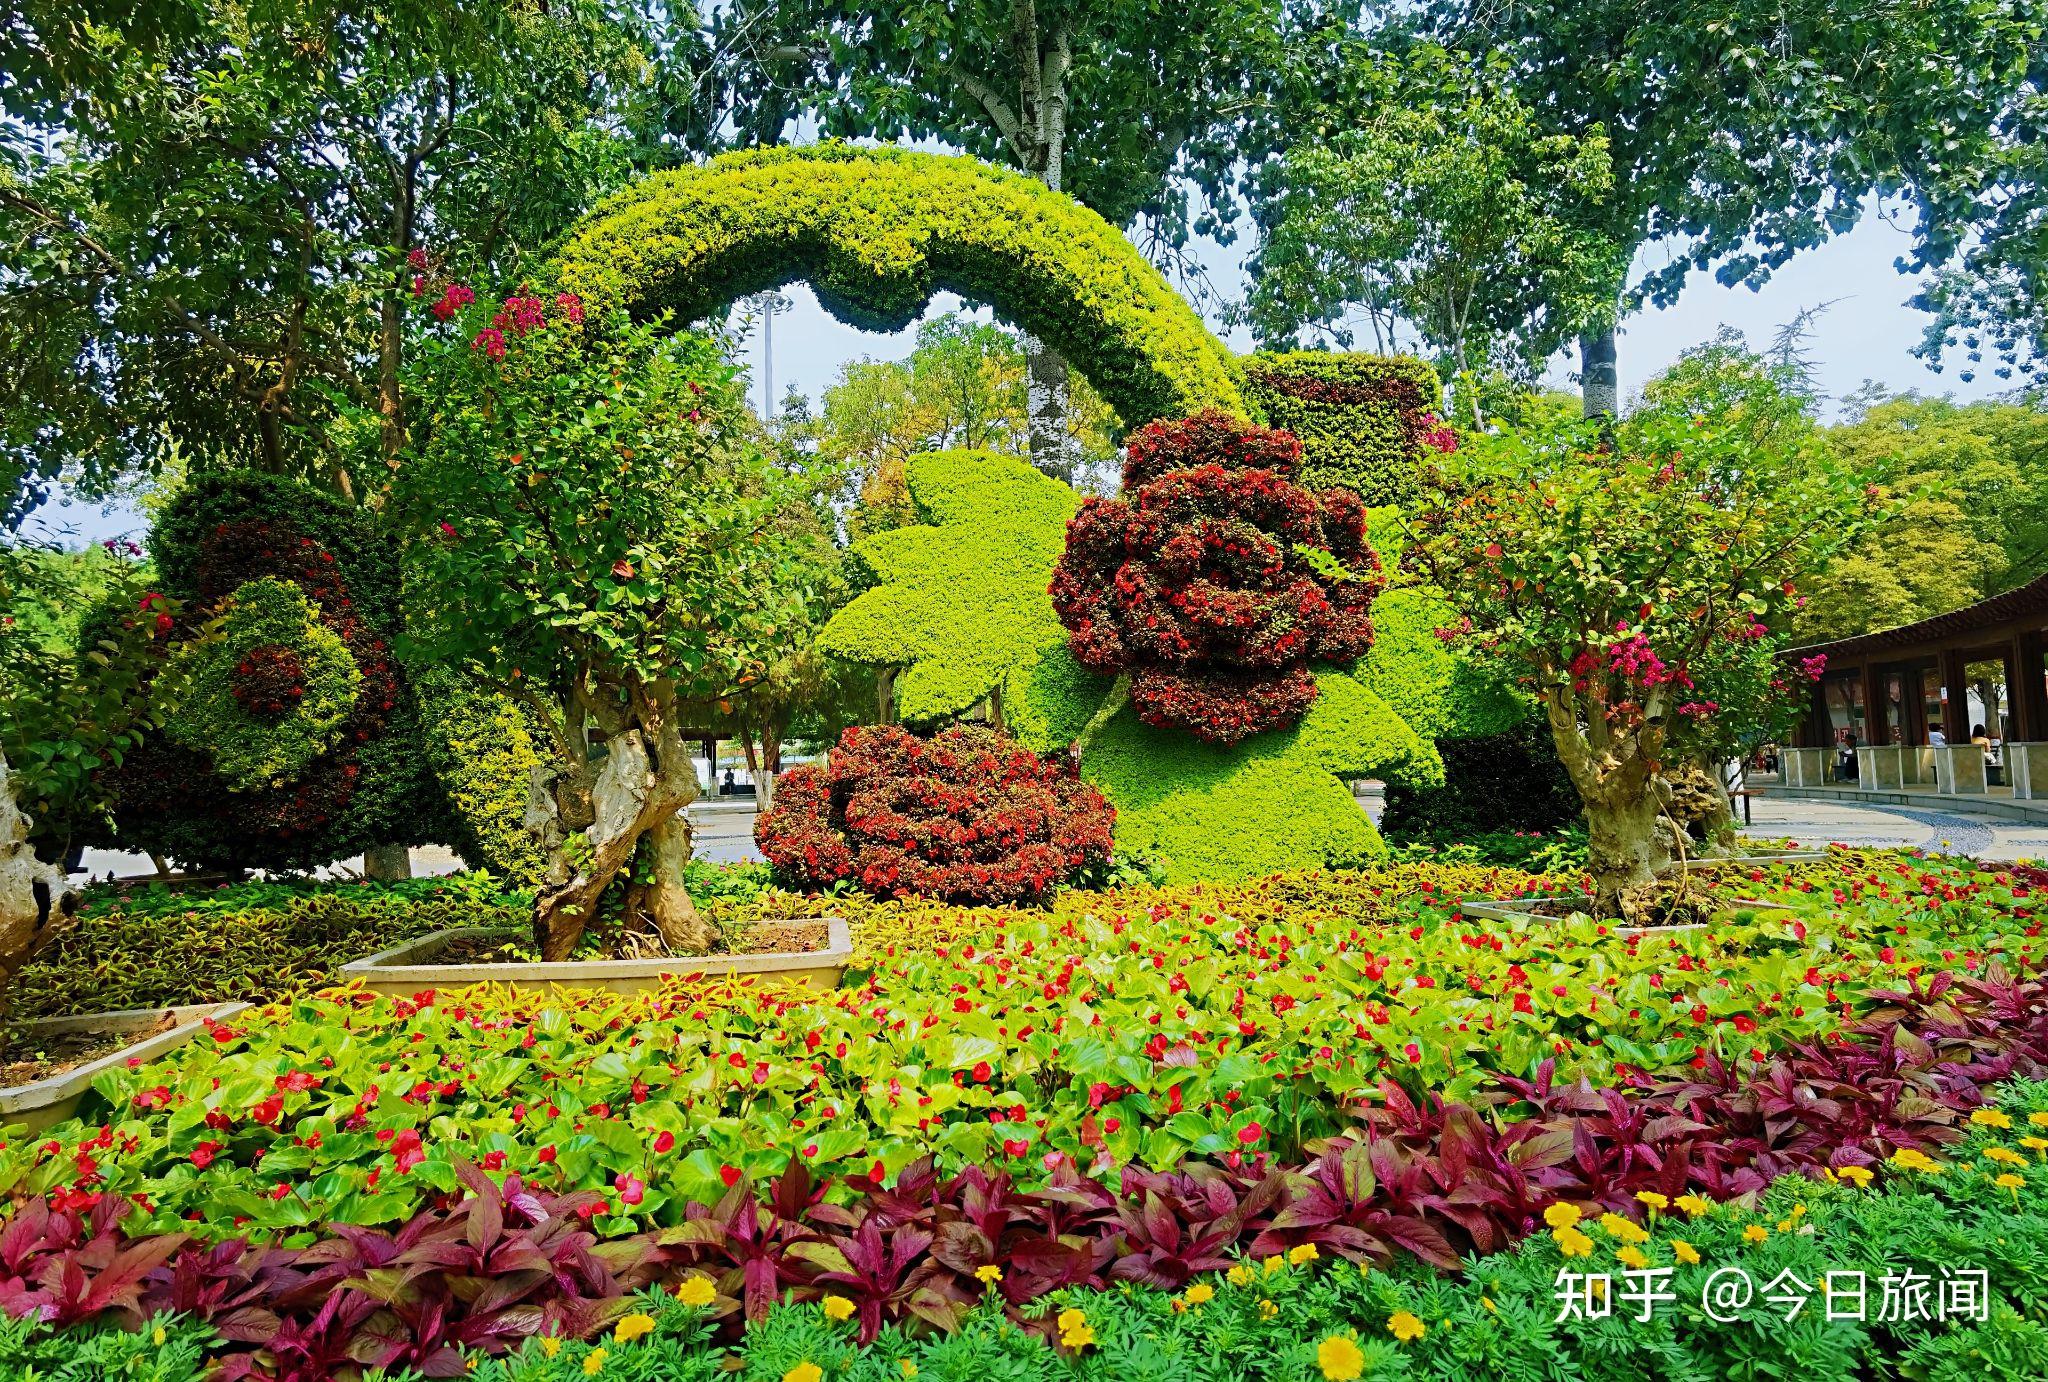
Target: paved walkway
(1916, 827)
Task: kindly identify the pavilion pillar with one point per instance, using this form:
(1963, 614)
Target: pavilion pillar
(1955, 678)
(1874, 727)
(2026, 691)
(1912, 704)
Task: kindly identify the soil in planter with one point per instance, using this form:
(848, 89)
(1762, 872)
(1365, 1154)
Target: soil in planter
(758, 938)
(28, 1054)
(1671, 911)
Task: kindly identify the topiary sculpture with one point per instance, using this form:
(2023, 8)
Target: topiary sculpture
(1215, 580)
(967, 816)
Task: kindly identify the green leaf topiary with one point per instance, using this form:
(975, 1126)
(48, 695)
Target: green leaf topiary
(960, 600)
(876, 232)
(961, 607)
(256, 734)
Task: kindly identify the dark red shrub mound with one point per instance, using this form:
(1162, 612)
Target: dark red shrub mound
(270, 682)
(1215, 579)
(967, 816)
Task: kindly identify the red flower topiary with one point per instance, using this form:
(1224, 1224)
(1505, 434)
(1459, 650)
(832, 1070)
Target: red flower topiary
(1215, 579)
(966, 816)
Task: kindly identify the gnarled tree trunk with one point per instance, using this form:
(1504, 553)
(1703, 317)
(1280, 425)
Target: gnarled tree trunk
(34, 896)
(1626, 848)
(593, 824)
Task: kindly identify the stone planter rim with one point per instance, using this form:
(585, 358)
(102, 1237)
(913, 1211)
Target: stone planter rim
(54, 1098)
(1511, 909)
(407, 966)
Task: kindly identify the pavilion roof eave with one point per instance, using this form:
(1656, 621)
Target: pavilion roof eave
(2007, 613)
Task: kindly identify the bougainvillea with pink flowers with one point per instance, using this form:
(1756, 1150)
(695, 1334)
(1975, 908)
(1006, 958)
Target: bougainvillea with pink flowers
(968, 815)
(1215, 581)
(1630, 576)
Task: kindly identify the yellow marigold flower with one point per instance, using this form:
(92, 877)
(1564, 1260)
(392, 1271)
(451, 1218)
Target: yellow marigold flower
(1405, 1327)
(594, 1362)
(632, 1327)
(2004, 1156)
(1571, 1242)
(1685, 1252)
(838, 1308)
(1267, 1310)
(1302, 1252)
(550, 1345)
(804, 1372)
(1990, 1118)
(1071, 1319)
(2009, 1181)
(909, 1368)
(1340, 1358)
(1561, 1215)
(1487, 1301)
(1201, 1293)
(1755, 1233)
(1240, 1275)
(1858, 1176)
(1913, 1160)
(1694, 1205)
(988, 1274)
(2039, 1120)
(1274, 1263)
(696, 1291)
(156, 1336)
(1623, 1230)
(1632, 1255)
(1653, 1199)
(2035, 1144)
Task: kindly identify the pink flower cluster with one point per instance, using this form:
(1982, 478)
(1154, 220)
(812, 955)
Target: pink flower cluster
(522, 312)
(1815, 667)
(454, 298)
(1437, 435)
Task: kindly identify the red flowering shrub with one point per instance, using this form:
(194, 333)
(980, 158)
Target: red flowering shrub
(1215, 579)
(269, 682)
(967, 816)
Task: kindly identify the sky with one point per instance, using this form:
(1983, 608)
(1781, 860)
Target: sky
(1867, 334)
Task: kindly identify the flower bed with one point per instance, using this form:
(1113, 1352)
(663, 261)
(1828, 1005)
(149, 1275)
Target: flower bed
(1041, 1077)
(1295, 1312)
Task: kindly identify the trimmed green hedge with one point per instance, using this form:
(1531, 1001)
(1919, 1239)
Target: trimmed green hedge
(876, 232)
(1437, 692)
(152, 947)
(482, 748)
(1359, 417)
(959, 602)
(1273, 802)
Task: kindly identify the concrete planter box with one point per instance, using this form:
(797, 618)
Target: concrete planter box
(48, 1102)
(1754, 856)
(1517, 909)
(405, 969)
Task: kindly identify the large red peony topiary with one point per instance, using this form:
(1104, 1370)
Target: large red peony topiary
(965, 816)
(1215, 580)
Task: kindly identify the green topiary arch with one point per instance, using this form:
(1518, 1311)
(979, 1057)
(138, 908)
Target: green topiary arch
(876, 232)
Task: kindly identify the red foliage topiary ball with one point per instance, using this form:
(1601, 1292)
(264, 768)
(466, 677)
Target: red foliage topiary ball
(966, 816)
(1214, 580)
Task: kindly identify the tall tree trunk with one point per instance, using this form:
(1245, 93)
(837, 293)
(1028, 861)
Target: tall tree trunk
(885, 695)
(387, 863)
(1048, 395)
(1599, 383)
